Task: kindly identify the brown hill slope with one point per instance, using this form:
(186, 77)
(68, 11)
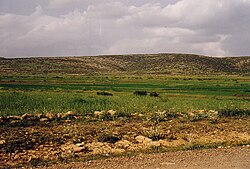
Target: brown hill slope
(169, 64)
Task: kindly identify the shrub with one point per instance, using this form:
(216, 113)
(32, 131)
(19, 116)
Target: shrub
(154, 133)
(110, 138)
(104, 93)
(233, 113)
(154, 94)
(140, 93)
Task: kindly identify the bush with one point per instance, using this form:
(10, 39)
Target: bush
(140, 93)
(155, 133)
(233, 113)
(154, 94)
(110, 138)
(104, 93)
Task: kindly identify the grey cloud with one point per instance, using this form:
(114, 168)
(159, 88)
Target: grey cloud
(92, 27)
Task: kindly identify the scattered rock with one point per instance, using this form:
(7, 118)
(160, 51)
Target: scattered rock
(76, 148)
(160, 113)
(14, 122)
(136, 115)
(123, 144)
(44, 119)
(111, 112)
(98, 114)
(68, 121)
(140, 115)
(2, 142)
(17, 156)
(60, 115)
(70, 113)
(103, 148)
(26, 116)
(13, 117)
(155, 143)
(40, 116)
(50, 116)
(143, 140)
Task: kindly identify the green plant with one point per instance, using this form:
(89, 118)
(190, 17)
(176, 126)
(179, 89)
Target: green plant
(154, 133)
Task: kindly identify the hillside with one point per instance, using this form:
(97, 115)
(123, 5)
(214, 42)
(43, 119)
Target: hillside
(167, 64)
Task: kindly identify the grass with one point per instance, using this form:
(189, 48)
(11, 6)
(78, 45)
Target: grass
(37, 94)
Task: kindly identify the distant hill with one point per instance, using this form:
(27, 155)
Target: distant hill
(160, 64)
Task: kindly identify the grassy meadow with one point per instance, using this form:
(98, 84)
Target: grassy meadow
(56, 94)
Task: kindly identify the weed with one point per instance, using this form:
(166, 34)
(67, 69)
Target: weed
(156, 149)
(154, 133)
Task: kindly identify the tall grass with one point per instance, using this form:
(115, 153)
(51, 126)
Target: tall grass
(38, 94)
(16, 103)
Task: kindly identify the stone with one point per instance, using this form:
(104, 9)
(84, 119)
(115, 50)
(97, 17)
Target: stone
(160, 113)
(44, 119)
(14, 117)
(70, 113)
(26, 116)
(140, 115)
(16, 157)
(123, 144)
(1, 119)
(14, 122)
(2, 142)
(65, 115)
(80, 144)
(117, 151)
(40, 115)
(98, 113)
(111, 112)
(50, 116)
(77, 148)
(136, 115)
(99, 148)
(60, 115)
(155, 144)
(143, 139)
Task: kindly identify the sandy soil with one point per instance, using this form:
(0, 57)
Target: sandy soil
(224, 158)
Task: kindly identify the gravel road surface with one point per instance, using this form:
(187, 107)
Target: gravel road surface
(221, 158)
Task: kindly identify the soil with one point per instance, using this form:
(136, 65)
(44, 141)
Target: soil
(224, 158)
(31, 142)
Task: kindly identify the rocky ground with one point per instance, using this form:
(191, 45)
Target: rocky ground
(46, 139)
(223, 158)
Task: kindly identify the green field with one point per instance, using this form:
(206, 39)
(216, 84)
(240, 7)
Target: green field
(42, 94)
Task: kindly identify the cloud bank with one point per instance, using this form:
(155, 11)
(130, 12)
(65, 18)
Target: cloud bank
(94, 27)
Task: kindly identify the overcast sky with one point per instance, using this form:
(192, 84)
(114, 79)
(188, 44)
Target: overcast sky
(97, 27)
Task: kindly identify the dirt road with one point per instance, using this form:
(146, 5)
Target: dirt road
(224, 158)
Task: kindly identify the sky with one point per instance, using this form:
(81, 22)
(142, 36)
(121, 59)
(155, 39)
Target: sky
(102, 27)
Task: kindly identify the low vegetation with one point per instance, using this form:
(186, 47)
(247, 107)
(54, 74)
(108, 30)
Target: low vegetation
(85, 95)
(144, 64)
